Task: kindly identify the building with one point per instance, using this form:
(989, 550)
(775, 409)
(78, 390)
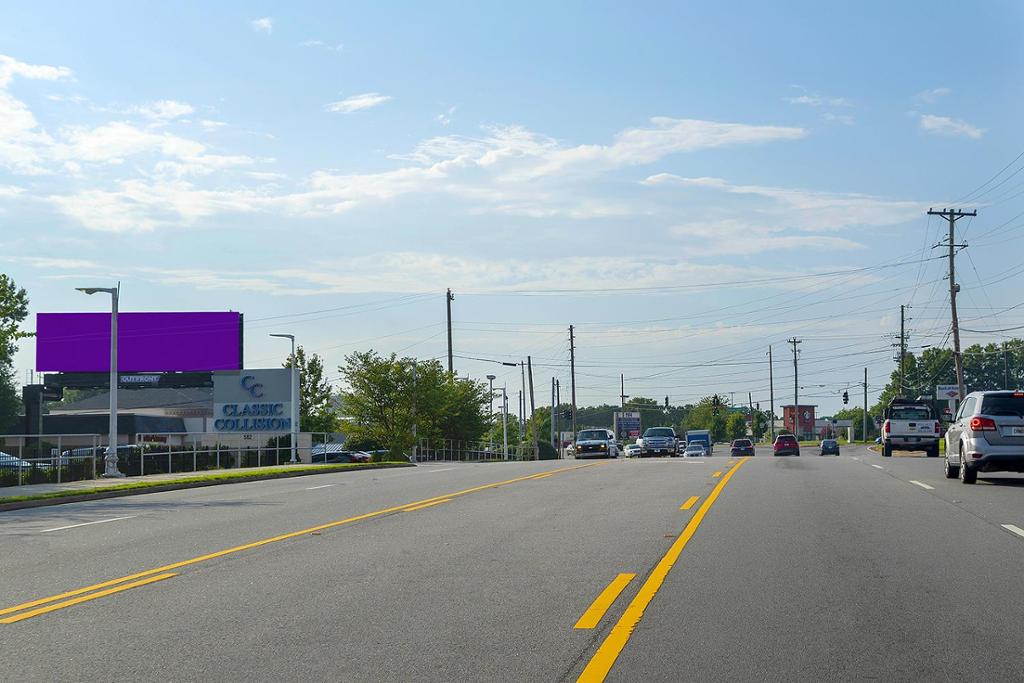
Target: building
(806, 426)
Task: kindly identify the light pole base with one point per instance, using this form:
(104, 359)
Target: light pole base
(110, 467)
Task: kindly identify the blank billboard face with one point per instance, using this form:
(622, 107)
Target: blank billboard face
(147, 342)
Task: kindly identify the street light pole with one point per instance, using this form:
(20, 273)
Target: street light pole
(504, 421)
(110, 458)
(491, 378)
(295, 400)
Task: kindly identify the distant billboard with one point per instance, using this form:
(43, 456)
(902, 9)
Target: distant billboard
(146, 342)
(627, 425)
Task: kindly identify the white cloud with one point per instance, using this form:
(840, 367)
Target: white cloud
(336, 47)
(818, 101)
(113, 142)
(262, 25)
(10, 67)
(445, 117)
(357, 102)
(733, 237)
(208, 124)
(930, 96)
(164, 110)
(944, 125)
(803, 209)
(23, 142)
(844, 119)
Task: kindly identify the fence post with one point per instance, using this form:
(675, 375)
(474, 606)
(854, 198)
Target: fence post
(170, 468)
(218, 454)
(194, 454)
(259, 453)
(60, 459)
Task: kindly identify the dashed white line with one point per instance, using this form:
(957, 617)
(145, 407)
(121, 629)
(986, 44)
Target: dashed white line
(924, 486)
(314, 488)
(856, 458)
(877, 467)
(99, 521)
(1013, 528)
(443, 469)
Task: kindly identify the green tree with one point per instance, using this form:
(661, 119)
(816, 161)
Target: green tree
(857, 415)
(736, 426)
(13, 311)
(388, 395)
(317, 411)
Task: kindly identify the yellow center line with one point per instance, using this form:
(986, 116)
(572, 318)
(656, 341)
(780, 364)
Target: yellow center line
(86, 598)
(592, 617)
(690, 502)
(275, 539)
(603, 660)
(426, 505)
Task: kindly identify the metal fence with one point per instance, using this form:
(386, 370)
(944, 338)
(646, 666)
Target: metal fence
(49, 459)
(53, 459)
(450, 450)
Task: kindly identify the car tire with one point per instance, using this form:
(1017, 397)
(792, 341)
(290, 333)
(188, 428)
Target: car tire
(933, 452)
(886, 451)
(968, 475)
(949, 470)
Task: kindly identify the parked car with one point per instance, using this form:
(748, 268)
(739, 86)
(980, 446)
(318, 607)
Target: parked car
(658, 441)
(829, 447)
(986, 435)
(695, 450)
(910, 426)
(632, 450)
(741, 447)
(599, 443)
(786, 444)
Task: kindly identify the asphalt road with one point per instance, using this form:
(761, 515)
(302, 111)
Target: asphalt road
(810, 568)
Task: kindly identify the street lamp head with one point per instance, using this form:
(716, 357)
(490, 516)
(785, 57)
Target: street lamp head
(511, 365)
(492, 377)
(96, 290)
(284, 336)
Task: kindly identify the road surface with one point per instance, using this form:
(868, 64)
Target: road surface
(810, 568)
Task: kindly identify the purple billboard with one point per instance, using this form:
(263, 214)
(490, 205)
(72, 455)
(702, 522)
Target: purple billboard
(146, 342)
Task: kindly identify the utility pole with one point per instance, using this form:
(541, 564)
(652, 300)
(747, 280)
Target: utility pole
(1006, 369)
(533, 406)
(796, 390)
(504, 422)
(554, 407)
(521, 421)
(771, 394)
(903, 348)
(558, 418)
(449, 297)
(572, 376)
(865, 420)
(952, 215)
(622, 389)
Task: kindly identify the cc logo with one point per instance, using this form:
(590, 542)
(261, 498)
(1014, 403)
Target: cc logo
(254, 388)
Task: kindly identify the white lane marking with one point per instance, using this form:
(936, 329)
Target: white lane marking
(443, 469)
(1014, 529)
(314, 488)
(856, 458)
(924, 486)
(99, 521)
(878, 467)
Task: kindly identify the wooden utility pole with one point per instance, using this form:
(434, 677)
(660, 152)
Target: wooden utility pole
(953, 215)
(865, 420)
(533, 406)
(903, 347)
(796, 390)
(622, 390)
(554, 409)
(771, 393)
(572, 376)
(448, 298)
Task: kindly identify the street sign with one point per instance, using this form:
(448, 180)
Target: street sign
(626, 425)
(947, 392)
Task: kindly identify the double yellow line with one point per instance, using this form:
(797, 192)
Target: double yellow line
(34, 608)
(603, 660)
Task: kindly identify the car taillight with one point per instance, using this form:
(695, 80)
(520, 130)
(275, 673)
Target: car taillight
(937, 428)
(983, 424)
(886, 427)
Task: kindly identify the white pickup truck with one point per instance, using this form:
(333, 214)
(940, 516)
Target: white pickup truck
(910, 426)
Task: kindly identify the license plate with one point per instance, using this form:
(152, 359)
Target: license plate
(1014, 431)
(911, 428)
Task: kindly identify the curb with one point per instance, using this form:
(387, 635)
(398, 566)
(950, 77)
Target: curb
(170, 486)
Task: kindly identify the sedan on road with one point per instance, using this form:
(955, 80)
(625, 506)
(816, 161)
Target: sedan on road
(695, 450)
(741, 447)
(829, 447)
(632, 450)
(786, 444)
(986, 435)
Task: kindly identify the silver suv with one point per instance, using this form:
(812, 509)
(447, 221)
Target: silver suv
(987, 435)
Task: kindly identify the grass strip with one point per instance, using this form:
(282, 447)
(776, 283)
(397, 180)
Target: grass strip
(220, 476)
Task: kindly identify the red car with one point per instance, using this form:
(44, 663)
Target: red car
(786, 444)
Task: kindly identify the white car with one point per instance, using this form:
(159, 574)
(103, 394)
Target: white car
(632, 450)
(596, 443)
(695, 450)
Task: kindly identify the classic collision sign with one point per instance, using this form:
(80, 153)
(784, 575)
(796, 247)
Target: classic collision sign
(252, 401)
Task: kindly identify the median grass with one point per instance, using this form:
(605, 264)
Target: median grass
(212, 478)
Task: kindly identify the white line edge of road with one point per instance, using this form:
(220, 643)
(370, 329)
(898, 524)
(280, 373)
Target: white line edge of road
(877, 467)
(1013, 528)
(922, 485)
(323, 486)
(99, 521)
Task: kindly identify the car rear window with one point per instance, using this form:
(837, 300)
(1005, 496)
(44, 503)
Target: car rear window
(659, 431)
(741, 443)
(1003, 404)
(828, 442)
(787, 438)
(910, 413)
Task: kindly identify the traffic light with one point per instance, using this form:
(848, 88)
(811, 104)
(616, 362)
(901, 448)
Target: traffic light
(716, 404)
(567, 414)
(846, 397)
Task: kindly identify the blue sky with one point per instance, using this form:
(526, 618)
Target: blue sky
(330, 169)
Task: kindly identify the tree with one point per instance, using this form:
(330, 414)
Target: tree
(13, 311)
(317, 412)
(387, 396)
(857, 415)
(736, 426)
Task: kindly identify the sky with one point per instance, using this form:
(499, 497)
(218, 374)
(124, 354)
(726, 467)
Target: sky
(685, 183)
